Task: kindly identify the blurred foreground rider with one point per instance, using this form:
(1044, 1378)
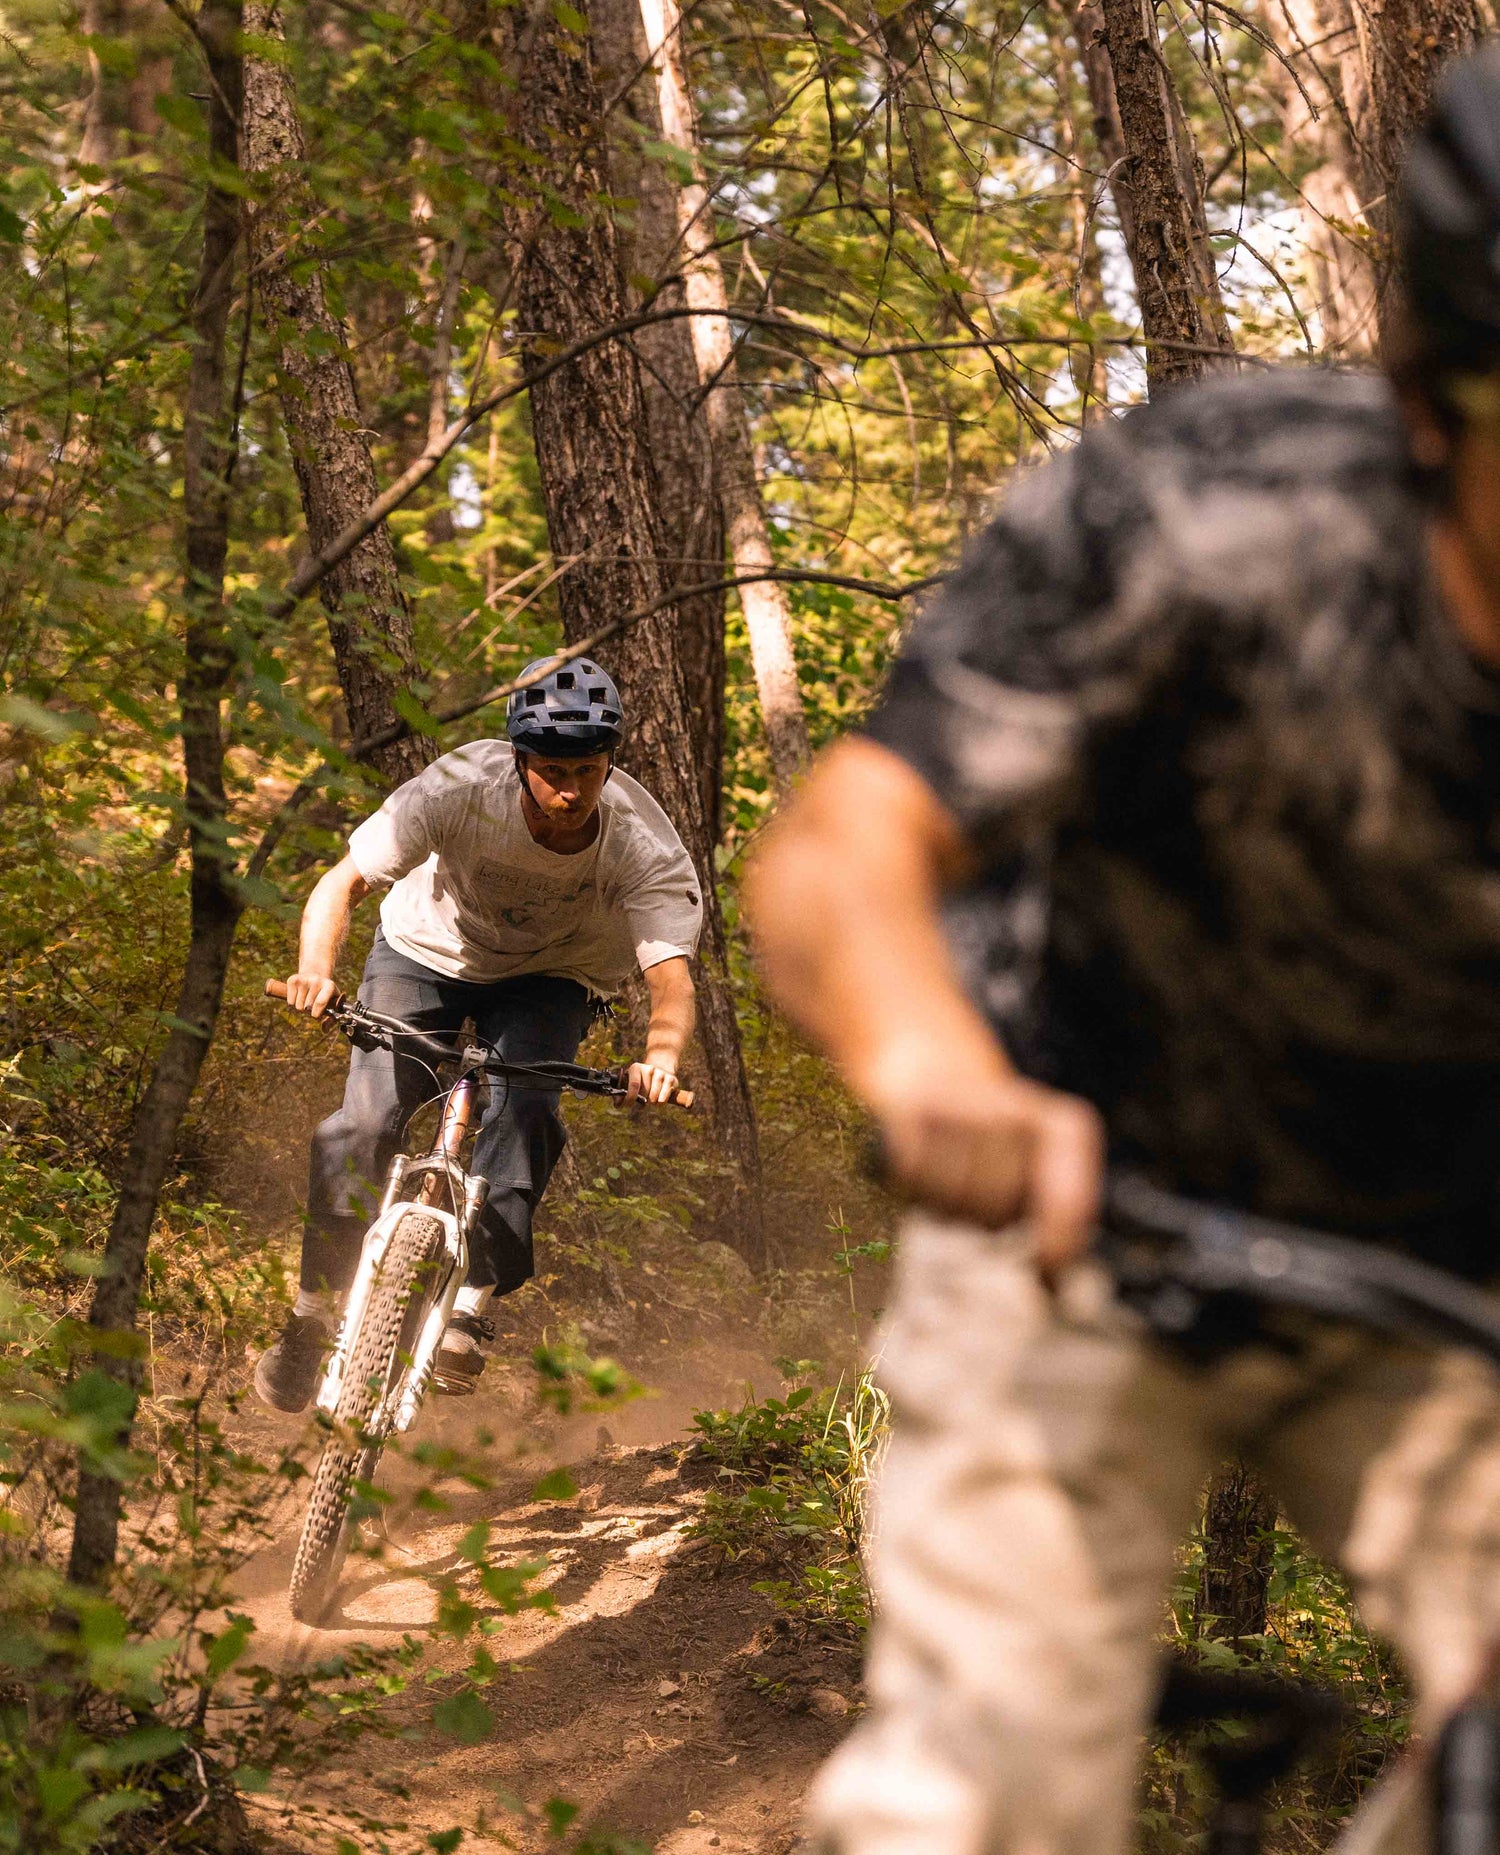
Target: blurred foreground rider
(529, 879)
(1175, 837)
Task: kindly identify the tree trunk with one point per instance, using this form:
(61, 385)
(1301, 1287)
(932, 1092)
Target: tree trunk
(682, 446)
(208, 661)
(1159, 186)
(442, 273)
(1086, 361)
(767, 613)
(96, 144)
(589, 423)
(1403, 46)
(1323, 98)
(368, 620)
(1239, 1520)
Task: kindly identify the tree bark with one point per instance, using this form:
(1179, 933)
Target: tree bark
(369, 623)
(1323, 99)
(590, 430)
(442, 272)
(1403, 46)
(1160, 186)
(682, 446)
(1086, 361)
(1239, 1521)
(214, 908)
(96, 143)
(768, 620)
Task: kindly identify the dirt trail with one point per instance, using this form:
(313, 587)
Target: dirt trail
(662, 1697)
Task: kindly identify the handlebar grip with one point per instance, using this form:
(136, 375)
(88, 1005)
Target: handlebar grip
(276, 988)
(684, 1098)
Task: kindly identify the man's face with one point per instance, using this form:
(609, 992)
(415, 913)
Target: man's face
(1476, 496)
(565, 791)
(1470, 456)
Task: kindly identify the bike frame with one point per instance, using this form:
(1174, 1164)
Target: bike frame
(433, 1174)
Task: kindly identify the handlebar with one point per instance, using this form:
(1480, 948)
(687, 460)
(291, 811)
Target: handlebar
(371, 1030)
(1203, 1276)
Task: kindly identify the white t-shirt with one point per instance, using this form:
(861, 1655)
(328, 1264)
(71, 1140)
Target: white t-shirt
(476, 897)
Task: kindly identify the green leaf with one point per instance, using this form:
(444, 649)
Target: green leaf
(12, 229)
(226, 1648)
(474, 1541)
(445, 1840)
(21, 711)
(558, 1486)
(412, 712)
(465, 1716)
(180, 112)
(104, 1399)
(559, 1813)
(146, 1747)
(252, 1778)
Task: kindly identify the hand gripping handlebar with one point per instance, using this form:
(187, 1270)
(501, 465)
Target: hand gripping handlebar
(371, 1030)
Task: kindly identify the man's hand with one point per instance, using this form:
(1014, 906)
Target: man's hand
(310, 992)
(651, 1082)
(654, 1078)
(994, 1149)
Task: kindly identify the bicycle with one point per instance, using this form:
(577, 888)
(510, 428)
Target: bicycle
(413, 1260)
(1204, 1278)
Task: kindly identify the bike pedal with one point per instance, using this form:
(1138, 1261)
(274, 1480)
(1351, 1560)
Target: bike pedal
(455, 1384)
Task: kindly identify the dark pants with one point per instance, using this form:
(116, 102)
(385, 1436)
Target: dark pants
(535, 1018)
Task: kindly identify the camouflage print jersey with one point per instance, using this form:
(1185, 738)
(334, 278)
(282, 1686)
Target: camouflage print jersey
(1233, 783)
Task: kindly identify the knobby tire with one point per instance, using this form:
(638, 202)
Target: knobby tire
(390, 1324)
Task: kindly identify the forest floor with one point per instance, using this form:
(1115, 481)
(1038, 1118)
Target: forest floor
(663, 1697)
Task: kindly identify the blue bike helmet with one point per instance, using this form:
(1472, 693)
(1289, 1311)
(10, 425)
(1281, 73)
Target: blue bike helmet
(573, 711)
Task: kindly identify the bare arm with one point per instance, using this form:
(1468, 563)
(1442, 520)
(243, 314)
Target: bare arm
(670, 983)
(325, 926)
(843, 899)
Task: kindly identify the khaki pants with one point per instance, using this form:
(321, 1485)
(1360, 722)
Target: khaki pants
(1044, 1465)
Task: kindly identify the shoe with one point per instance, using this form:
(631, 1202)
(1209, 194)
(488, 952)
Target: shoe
(287, 1375)
(460, 1358)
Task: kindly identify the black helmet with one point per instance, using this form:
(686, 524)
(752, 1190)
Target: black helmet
(573, 711)
(1449, 221)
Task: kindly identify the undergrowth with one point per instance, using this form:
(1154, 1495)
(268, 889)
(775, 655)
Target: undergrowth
(791, 1484)
(790, 1481)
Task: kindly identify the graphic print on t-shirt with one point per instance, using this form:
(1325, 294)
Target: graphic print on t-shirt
(527, 900)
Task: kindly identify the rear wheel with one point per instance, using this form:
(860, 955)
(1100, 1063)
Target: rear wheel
(398, 1301)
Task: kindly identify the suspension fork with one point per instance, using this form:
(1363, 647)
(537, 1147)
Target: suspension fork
(458, 1111)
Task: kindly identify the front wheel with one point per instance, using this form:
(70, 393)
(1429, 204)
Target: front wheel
(398, 1299)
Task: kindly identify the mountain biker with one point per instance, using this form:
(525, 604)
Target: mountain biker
(1175, 838)
(525, 880)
